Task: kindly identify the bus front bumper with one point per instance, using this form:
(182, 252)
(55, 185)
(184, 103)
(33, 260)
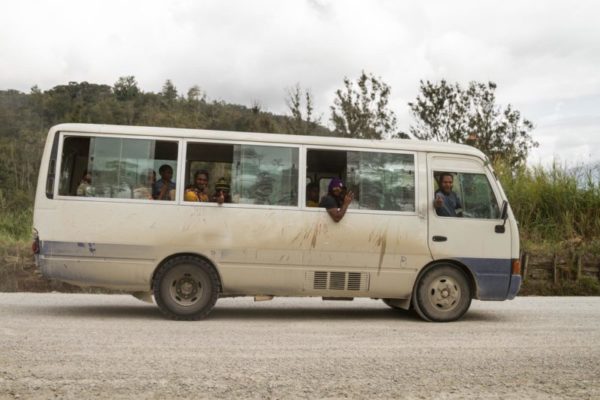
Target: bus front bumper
(515, 285)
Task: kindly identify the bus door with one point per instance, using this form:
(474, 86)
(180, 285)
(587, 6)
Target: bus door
(464, 227)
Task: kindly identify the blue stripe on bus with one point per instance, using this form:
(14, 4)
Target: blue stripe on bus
(492, 275)
(83, 250)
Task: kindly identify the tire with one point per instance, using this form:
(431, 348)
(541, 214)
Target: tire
(443, 294)
(186, 288)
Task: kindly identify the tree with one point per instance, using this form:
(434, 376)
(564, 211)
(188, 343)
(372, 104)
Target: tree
(169, 92)
(360, 110)
(449, 113)
(196, 95)
(300, 123)
(126, 88)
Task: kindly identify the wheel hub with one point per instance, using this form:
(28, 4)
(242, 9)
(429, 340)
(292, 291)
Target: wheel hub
(186, 288)
(444, 293)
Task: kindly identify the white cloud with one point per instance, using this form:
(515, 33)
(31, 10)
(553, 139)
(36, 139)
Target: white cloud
(543, 55)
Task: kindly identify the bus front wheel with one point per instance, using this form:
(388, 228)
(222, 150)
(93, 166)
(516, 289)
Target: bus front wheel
(186, 288)
(443, 294)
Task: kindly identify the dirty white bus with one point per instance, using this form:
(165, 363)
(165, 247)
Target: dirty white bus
(107, 215)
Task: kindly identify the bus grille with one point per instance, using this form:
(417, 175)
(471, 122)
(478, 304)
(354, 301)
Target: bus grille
(350, 281)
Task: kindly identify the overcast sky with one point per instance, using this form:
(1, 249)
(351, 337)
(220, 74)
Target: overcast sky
(543, 55)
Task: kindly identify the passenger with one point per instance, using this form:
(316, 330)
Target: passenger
(164, 188)
(144, 188)
(312, 195)
(334, 202)
(85, 187)
(222, 192)
(447, 203)
(197, 191)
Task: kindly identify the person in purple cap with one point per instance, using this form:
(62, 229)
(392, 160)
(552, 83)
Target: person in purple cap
(333, 201)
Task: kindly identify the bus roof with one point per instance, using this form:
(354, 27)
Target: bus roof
(389, 144)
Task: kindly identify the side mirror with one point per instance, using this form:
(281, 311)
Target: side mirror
(503, 217)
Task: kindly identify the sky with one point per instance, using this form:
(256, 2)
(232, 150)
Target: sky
(544, 56)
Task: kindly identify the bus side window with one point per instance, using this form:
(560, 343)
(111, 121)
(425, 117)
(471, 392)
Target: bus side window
(470, 195)
(265, 175)
(262, 175)
(478, 198)
(214, 161)
(112, 167)
(379, 181)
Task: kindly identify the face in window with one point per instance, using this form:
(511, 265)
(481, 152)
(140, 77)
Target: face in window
(87, 178)
(166, 173)
(201, 180)
(446, 183)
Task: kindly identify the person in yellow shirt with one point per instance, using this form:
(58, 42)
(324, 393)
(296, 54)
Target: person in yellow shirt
(198, 191)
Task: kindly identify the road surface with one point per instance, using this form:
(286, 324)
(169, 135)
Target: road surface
(77, 346)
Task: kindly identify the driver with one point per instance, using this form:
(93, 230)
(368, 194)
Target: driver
(447, 203)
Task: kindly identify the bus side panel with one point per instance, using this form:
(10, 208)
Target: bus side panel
(266, 251)
(114, 266)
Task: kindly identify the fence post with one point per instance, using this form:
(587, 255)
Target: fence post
(555, 269)
(524, 263)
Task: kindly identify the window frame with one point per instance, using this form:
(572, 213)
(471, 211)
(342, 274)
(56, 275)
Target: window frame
(59, 162)
(484, 171)
(301, 174)
(366, 150)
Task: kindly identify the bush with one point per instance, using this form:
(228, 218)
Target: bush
(554, 205)
(16, 225)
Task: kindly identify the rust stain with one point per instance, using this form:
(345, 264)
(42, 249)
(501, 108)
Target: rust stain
(381, 241)
(296, 237)
(303, 235)
(307, 233)
(315, 234)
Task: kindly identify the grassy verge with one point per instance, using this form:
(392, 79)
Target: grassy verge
(15, 225)
(555, 205)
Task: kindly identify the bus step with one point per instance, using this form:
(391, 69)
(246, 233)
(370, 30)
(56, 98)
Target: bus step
(338, 298)
(263, 298)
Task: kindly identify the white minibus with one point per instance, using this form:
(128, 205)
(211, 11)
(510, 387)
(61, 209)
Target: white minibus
(187, 216)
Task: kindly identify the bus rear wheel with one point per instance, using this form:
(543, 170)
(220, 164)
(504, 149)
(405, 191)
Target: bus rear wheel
(443, 294)
(186, 288)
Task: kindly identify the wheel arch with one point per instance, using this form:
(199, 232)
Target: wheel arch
(188, 254)
(443, 263)
(457, 264)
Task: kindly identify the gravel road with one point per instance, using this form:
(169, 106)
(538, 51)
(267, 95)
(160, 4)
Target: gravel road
(113, 346)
